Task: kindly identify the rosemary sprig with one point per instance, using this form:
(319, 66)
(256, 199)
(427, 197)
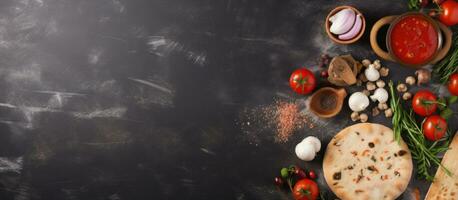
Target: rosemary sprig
(405, 126)
(449, 64)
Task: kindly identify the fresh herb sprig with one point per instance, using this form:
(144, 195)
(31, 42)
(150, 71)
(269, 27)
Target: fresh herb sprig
(405, 125)
(449, 64)
(414, 4)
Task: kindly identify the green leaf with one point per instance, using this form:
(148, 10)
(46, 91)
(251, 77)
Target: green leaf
(447, 113)
(452, 99)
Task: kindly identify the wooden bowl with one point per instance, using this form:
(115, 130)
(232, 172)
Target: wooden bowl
(334, 37)
(327, 95)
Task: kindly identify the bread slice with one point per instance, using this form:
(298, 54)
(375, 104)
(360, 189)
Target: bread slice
(364, 161)
(445, 187)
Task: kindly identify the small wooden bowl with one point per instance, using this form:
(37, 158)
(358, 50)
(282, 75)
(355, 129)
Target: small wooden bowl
(334, 37)
(327, 94)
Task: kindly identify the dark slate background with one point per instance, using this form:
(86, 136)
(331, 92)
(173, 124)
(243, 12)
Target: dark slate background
(145, 99)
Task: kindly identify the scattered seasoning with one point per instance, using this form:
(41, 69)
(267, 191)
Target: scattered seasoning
(337, 176)
(282, 116)
(287, 116)
(389, 166)
(358, 191)
(396, 173)
(402, 152)
(359, 178)
(373, 159)
(372, 168)
(354, 153)
(371, 145)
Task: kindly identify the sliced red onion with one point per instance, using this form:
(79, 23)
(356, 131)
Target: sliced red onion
(342, 21)
(354, 30)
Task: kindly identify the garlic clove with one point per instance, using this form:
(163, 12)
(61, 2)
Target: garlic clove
(314, 141)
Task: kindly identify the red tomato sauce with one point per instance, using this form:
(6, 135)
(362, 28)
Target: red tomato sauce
(414, 40)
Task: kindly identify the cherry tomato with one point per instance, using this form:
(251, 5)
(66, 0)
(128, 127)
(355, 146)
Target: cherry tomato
(424, 3)
(324, 74)
(449, 12)
(305, 189)
(302, 81)
(424, 103)
(438, 2)
(434, 127)
(300, 173)
(278, 181)
(312, 174)
(453, 84)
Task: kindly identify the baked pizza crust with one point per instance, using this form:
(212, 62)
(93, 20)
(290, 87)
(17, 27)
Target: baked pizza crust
(445, 187)
(364, 161)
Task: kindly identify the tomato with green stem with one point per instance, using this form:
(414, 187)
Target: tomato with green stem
(453, 84)
(306, 189)
(434, 127)
(449, 12)
(302, 81)
(424, 103)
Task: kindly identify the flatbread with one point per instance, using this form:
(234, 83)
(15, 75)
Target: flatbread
(445, 187)
(364, 161)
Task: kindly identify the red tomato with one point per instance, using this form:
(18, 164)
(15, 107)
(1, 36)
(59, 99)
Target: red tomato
(312, 174)
(306, 189)
(453, 84)
(434, 127)
(302, 81)
(449, 14)
(424, 103)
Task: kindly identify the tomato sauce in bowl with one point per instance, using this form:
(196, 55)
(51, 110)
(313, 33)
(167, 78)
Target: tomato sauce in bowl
(414, 39)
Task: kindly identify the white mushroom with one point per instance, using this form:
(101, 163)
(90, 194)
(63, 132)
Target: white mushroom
(358, 101)
(380, 83)
(377, 64)
(401, 87)
(388, 112)
(366, 62)
(384, 71)
(380, 95)
(354, 116)
(423, 76)
(371, 73)
(370, 86)
(363, 117)
(406, 96)
(410, 80)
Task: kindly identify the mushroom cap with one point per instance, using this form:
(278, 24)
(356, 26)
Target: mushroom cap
(358, 101)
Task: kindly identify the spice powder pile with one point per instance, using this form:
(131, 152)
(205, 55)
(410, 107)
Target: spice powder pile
(283, 117)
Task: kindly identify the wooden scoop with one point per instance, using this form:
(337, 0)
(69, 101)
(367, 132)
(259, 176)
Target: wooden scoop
(327, 102)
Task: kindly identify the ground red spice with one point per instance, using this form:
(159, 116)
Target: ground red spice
(287, 116)
(284, 118)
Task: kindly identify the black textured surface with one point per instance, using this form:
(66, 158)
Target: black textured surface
(144, 99)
